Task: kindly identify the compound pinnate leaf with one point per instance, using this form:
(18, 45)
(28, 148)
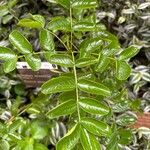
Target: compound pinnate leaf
(93, 87)
(98, 128)
(93, 106)
(69, 141)
(65, 108)
(46, 40)
(123, 70)
(20, 42)
(59, 84)
(88, 140)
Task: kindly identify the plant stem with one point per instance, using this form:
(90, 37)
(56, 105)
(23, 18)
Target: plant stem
(74, 69)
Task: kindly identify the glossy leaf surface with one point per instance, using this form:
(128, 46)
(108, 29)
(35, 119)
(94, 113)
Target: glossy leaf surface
(33, 61)
(59, 84)
(129, 53)
(83, 62)
(88, 140)
(93, 106)
(69, 141)
(62, 60)
(123, 70)
(93, 87)
(98, 128)
(46, 40)
(20, 42)
(6, 54)
(65, 108)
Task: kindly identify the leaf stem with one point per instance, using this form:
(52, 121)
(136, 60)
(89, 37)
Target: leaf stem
(74, 69)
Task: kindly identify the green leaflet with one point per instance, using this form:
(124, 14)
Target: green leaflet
(37, 21)
(102, 64)
(84, 27)
(59, 23)
(64, 3)
(6, 54)
(26, 144)
(90, 45)
(65, 108)
(59, 84)
(4, 145)
(10, 65)
(46, 40)
(78, 4)
(83, 4)
(63, 97)
(123, 70)
(88, 140)
(128, 53)
(113, 142)
(20, 42)
(93, 87)
(83, 62)
(26, 22)
(37, 130)
(126, 120)
(33, 61)
(38, 146)
(62, 60)
(93, 106)
(98, 128)
(69, 141)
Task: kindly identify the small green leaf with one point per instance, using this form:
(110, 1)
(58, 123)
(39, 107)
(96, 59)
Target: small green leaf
(90, 45)
(62, 60)
(39, 19)
(59, 23)
(69, 141)
(93, 87)
(98, 128)
(4, 145)
(113, 142)
(20, 42)
(83, 4)
(83, 62)
(46, 40)
(10, 65)
(65, 108)
(26, 144)
(126, 136)
(26, 22)
(64, 3)
(6, 54)
(126, 120)
(123, 70)
(102, 64)
(33, 61)
(38, 146)
(59, 84)
(38, 131)
(88, 140)
(93, 106)
(129, 53)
